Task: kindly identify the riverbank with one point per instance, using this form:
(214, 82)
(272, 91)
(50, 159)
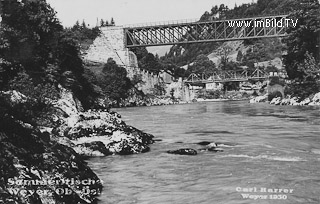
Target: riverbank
(152, 100)
(44, 162)
(313, 100)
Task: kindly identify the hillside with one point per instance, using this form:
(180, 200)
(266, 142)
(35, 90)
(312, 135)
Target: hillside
(250, 51)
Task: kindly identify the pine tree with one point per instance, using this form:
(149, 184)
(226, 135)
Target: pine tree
(76, 26)
(112, 21)
(83, 25)
(239, 56)
(102, 23)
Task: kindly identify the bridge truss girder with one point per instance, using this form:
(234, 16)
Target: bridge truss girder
(197, 32)
(227, 76)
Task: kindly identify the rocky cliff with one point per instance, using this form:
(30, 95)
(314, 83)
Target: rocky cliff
(110, 44)
(44, 163)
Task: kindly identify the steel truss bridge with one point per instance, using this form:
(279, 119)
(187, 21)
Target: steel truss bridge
(212, 31)
(227, 76)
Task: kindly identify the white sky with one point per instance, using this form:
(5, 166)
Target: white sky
(133, 11)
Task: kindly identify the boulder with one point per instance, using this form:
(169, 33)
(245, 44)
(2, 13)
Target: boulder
(211, 146)
(91, 149)
(259, 99)
(186, 151)
(27, 155)
(204, 143)
(294, 101)
(316, 98)
(305, 102)
(285, 101)
(14, 97)
(276, 101)
(91, 126)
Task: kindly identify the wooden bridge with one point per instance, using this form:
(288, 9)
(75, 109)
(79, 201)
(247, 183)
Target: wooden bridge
(211, 31)
(226, 76)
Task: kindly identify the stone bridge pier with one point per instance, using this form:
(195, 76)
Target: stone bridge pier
(111, 44)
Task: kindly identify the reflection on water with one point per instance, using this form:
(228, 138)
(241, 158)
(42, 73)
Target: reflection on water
(264, 147)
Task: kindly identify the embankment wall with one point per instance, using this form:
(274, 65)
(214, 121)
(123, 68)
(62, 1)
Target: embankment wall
(110, 44)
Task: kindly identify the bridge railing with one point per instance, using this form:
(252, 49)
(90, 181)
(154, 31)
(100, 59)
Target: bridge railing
(197, 20)
(157, 23)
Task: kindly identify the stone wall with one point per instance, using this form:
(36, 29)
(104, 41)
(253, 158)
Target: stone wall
(110, 44)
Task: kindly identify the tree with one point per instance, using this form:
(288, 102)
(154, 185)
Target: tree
(140, 52)
(151, 63)
(214, 10)
(102, 23)
(76, 26)
(202, 65)
(28, 35)
(114, 81)
(34, 42)
(309, 68)
(83, 25)
(112, 22)
(302, 38)
(239, 56)
(224, 53)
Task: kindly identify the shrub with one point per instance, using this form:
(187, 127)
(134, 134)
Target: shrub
(274, 95)
(210, 94)
(114, 82)
(302, 90)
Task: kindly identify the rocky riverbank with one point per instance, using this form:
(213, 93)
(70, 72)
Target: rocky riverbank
(149, 101)
(312, 100)
(43, 163)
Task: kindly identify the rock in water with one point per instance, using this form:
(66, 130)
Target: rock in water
(205, 143)
(210, 146)
(186, 151)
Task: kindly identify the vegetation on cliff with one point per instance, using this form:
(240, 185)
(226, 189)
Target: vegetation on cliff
(36, 55)
(302, 61)
(42, 76)
(33, 42)
(83, 34)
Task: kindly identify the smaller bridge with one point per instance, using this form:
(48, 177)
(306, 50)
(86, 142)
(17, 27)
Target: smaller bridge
(226, 76)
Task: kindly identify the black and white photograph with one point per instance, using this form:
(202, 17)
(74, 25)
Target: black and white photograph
(159, 102)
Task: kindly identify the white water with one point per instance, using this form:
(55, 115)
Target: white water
(275, 147)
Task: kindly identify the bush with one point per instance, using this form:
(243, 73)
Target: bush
(302, 90)
(39, 92)
(34, 102)
(210, 94)
(114, 82)
(274, 95)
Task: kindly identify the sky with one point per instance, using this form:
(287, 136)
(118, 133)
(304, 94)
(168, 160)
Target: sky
(127, 12)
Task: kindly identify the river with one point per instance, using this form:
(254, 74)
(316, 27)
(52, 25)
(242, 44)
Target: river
(265, 148)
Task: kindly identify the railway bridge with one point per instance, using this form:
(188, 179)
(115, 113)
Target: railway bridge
(171, 33)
